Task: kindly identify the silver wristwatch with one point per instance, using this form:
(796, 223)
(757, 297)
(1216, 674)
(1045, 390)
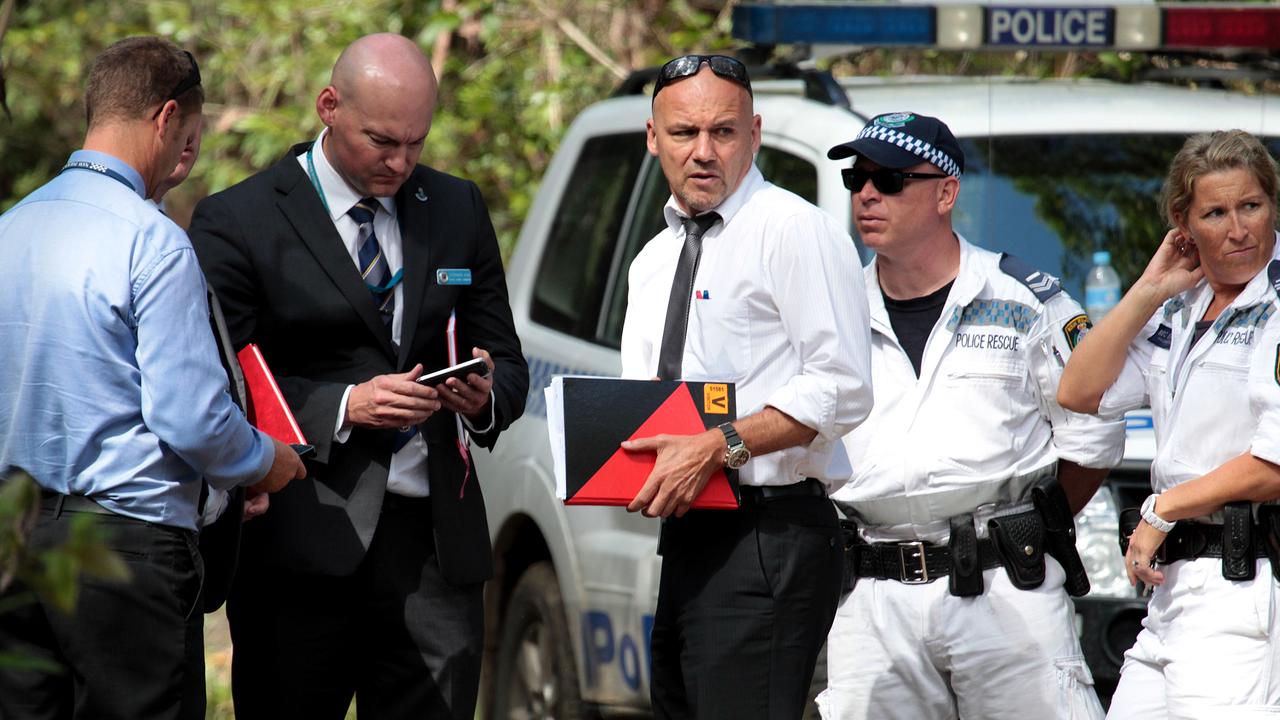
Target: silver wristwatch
(737, 454)
(1148, 512)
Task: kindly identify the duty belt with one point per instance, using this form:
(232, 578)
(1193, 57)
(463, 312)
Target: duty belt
(1238, 541)
(912, 563)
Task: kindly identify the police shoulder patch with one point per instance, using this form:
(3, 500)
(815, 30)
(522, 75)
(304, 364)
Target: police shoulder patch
(1075, 329)
(1041, 284)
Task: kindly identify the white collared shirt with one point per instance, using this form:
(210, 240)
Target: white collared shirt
(408, 472)
(779, 310)
(982, 420)
(1212, 400)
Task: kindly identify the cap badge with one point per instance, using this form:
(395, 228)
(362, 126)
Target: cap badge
(895, 120)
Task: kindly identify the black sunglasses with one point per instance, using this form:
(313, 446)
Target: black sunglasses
(191, 80)
(724, 66)
(885, 180)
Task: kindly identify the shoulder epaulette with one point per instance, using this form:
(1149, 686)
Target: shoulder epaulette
(1273, 274)
(1041, 284)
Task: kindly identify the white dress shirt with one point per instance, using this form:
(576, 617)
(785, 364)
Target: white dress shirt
(408, 473)
(779, 310)
(982, 422)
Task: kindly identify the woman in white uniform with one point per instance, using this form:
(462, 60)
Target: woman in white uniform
(1198, 338)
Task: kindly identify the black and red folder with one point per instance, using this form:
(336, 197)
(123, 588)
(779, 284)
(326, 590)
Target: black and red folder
(267, 409)
(589, 418)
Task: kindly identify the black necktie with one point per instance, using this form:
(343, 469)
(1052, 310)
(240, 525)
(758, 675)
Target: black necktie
(671, 356)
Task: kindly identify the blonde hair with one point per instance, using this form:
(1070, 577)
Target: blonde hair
(1211, 152)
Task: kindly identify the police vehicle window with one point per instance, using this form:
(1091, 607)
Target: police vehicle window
(1054, 200)
(580, 247)
(777, 166)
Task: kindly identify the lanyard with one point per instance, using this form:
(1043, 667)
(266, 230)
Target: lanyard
(100, 169)
(315, 181)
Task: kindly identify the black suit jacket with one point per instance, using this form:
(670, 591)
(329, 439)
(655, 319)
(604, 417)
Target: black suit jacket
(286, 282)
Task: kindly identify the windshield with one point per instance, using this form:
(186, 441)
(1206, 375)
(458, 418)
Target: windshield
(1052, 201)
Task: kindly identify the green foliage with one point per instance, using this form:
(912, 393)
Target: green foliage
(513, 75)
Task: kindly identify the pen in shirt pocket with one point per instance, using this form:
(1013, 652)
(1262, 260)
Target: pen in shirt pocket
(702, 294)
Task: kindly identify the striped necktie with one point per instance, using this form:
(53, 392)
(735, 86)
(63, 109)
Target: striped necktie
(377, 277)
(374, 269)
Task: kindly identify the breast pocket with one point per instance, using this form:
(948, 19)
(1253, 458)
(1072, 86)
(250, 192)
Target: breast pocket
(1210, 433)
(719, 340)
(982, 392)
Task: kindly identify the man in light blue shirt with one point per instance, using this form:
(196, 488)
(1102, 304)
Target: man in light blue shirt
(112, 398)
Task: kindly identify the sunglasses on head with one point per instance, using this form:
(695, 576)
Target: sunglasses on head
(730, 69)
(191, 80)
(885, 180)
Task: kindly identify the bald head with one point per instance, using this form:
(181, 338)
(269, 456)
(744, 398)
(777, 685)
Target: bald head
(386, 61)
(378, 108)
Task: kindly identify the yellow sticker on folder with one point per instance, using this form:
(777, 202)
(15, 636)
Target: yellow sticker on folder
(715, 399)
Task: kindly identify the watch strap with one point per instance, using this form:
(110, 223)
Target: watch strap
(1148, 512)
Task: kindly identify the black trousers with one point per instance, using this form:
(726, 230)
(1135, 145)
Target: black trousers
(131, 650)
(394, 634)
(744, 606)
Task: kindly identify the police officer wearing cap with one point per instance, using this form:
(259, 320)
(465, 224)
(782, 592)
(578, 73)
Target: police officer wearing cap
(966, 475)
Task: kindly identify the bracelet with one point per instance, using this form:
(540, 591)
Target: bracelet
(1148, 512)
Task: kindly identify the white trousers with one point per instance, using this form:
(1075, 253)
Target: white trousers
(1209, 648)
(917, 652)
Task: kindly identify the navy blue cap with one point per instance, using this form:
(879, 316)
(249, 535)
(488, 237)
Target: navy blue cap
(902, 139)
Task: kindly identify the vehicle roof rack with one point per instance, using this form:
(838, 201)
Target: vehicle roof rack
(819, 85)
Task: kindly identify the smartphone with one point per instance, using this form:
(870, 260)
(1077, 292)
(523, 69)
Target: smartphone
(460, 371)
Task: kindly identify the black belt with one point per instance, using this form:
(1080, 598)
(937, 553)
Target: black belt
(57, 502)
(912, 563)
(809, 487)
(1190, 540)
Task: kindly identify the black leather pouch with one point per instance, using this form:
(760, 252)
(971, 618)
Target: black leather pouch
(1238, 551)
(1269, 523)
(849, 535)
(1019, 539)
(1060, 534)
(966, 566)
(1129, 519)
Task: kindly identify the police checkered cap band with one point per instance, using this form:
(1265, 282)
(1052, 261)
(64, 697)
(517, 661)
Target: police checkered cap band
(913, 145)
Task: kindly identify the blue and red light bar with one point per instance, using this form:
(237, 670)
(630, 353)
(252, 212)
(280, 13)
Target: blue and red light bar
(1133, 26)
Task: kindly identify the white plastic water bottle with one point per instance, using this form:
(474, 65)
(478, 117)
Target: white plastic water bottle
(1101, 287)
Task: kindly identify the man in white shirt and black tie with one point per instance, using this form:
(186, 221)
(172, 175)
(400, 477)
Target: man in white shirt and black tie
(762, 289)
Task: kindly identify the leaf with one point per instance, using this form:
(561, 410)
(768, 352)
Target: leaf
(13, 660)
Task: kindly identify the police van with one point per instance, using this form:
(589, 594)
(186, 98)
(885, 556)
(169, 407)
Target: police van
(1055, 169)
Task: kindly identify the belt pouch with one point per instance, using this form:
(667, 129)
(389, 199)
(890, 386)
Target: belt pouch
(1129, 519)
(1237, 541)
(966, 566)
(1019, 539)
(1060, 534)
(1269, 522)
(849, 534)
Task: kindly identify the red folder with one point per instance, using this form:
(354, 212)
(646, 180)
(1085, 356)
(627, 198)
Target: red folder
(267, 408)
(599, 413)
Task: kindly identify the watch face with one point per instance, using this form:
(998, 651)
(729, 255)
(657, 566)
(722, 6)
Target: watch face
(737, 457)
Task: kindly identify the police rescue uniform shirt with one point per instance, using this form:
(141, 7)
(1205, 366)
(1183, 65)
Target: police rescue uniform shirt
(982, 421)
(1212, 399)
(779, 309)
